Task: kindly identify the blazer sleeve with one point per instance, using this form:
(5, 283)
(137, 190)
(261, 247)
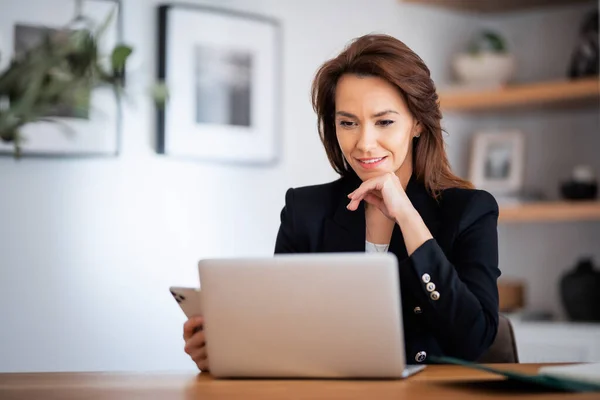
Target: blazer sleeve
(288, 239)
(462, 310)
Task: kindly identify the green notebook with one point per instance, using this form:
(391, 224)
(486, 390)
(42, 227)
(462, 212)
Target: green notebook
(563, 384)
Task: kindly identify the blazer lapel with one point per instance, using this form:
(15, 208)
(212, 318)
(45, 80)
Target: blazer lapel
(345, 231)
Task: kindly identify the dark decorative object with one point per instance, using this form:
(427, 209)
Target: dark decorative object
(580, 292)
(585, 61)
(579, 191)
(581, 186)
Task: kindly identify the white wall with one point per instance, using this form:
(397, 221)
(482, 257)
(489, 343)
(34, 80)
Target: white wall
(88, 248)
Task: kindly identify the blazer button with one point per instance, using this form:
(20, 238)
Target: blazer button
(434, 295)
(421, 356)
(430, 287)
(426, 278)
(417, 310)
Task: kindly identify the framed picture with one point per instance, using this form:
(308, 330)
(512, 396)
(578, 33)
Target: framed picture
(75, 133)
(497, 162)
(222, 72)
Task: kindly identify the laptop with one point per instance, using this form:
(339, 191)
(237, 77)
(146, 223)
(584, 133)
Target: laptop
(335, 315)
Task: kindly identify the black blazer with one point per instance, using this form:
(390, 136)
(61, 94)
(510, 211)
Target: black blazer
(461, 260)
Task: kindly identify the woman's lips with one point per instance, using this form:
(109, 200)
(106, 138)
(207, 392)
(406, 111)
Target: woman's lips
(369, 163)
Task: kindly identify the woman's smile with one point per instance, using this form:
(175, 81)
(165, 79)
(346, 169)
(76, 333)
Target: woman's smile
(372, 162)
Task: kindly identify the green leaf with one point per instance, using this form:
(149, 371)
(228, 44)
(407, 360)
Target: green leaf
(8, 77)
(119, 57)
(28, 99)
(495, 41)
(7, 136)
(487, 41)
(82, 97)
(8, 125)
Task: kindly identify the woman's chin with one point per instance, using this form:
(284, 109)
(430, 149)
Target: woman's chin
(369, 174)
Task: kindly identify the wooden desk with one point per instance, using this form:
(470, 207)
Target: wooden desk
(437, 381)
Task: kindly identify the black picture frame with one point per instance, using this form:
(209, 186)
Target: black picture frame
(240, 129)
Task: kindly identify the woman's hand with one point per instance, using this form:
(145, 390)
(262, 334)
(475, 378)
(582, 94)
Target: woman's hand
(384, 192)
(195, 344)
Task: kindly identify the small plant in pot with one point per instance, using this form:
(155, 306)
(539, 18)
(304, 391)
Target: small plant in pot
(62, 69)
(487, 62)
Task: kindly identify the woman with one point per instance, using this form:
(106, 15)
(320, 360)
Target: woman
(379, 121)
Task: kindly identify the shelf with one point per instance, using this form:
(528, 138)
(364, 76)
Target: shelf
(494, 6)
(564, 94)
(551, 211)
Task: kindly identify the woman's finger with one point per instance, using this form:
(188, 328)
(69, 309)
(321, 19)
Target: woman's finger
(356, 199)
(199, 355)
(372, 185)
(353, 205)
(203, 365)
(373, 192)
(191, 326)
(364, 187)
(375, 200)
(195, 342)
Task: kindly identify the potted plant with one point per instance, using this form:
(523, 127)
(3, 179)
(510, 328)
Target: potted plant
(63, 68)
(487, 62)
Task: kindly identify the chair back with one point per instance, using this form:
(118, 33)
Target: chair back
(504, 348)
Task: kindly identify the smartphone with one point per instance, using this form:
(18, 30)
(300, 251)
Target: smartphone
(188, 300)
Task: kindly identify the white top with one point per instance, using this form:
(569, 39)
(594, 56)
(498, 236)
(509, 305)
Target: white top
(376, 248)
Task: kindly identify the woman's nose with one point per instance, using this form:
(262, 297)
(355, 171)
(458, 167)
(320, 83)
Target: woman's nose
(367, 140)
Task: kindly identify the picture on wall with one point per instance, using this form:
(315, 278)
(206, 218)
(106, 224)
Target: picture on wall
(221, 69)
(222, 80)
(88, 123)
(497, 162)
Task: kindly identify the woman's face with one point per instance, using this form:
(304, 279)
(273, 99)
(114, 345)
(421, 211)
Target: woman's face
(373, 126)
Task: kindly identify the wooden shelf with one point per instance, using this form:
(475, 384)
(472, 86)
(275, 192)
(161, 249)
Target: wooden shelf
(564, 94)
(551, 212)
(494, 6)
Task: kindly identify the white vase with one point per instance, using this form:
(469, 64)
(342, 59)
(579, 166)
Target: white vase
(485, 68)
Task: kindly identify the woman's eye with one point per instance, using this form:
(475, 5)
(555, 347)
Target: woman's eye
(346, 124)
(385, 122)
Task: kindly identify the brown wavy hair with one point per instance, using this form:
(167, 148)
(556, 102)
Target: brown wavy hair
(388, 58)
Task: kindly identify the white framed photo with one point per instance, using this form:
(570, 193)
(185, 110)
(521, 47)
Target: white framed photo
(66, 131)
(221, 69)
(497, 161)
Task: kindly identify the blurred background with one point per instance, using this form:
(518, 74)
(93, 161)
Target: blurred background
(93, 230)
